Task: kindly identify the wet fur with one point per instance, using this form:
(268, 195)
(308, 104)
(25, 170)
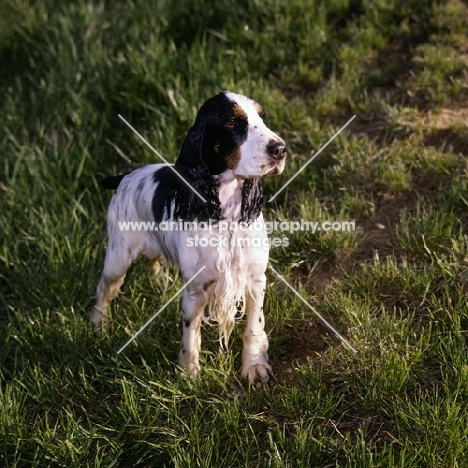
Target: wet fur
(224, 155)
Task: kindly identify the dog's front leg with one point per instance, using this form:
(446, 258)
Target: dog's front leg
(254, 355)
(193, 304)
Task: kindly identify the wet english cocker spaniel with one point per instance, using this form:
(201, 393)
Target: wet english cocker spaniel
(223, 158)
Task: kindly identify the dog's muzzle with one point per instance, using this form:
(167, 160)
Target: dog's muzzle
(277, 151)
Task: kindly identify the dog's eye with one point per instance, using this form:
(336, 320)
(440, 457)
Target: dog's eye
(231, 123)
(263, 115)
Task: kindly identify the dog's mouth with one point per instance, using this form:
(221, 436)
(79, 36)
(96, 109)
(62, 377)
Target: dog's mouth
(275, 171)
(277, 168)
(273, 168)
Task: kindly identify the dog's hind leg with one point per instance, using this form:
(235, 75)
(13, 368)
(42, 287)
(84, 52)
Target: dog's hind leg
(119, 257)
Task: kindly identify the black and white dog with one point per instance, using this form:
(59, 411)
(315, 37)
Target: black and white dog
(224, 155)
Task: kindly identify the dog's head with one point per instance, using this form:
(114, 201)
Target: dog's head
(229, 136)
(229, 133)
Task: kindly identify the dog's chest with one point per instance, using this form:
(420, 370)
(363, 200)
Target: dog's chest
(230, 196)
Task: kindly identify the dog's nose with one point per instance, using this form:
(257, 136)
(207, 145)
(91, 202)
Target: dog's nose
(277, 151)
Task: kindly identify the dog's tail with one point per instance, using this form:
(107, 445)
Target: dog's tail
(112, 182)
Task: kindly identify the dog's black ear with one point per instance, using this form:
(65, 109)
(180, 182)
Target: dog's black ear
(252, 199)
(112, 182)
(191, 166)
(201, 145)
(191, 153)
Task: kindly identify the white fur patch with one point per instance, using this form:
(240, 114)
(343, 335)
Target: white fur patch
(255, 161)
(228, 301)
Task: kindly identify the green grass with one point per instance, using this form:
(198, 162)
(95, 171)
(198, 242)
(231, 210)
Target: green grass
(396, 287)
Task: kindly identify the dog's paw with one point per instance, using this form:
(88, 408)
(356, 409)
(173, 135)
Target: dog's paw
(99, 318)
(257, 373)
(191, 367)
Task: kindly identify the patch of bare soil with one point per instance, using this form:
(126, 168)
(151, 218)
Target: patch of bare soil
(441, 127)
(447, 138)
(304, 341)
(447, 117)
(379, 229)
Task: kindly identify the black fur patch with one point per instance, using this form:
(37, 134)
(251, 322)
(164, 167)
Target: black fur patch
(205, 151)
(252, 199)
(163, 195)
(112, 182)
